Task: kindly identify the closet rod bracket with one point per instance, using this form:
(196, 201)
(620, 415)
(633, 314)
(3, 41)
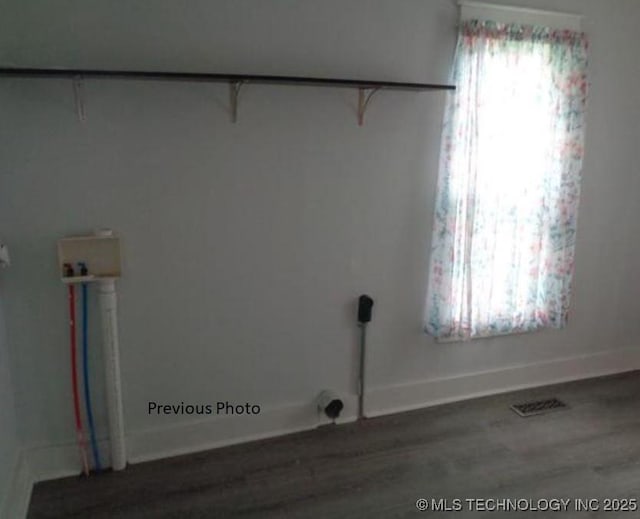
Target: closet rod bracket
(79, 97)
(234, 94)
(364, 96)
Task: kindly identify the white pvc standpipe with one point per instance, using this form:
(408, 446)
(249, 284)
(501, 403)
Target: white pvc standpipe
(108, 309)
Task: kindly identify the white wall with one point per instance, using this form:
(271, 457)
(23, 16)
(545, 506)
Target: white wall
(246, 245)
(9, 444)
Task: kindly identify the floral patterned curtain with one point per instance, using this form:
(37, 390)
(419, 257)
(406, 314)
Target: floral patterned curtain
(505, 221)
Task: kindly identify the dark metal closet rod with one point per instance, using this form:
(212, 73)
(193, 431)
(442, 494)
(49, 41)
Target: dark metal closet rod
(216, 78)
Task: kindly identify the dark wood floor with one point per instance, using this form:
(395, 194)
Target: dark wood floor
(379, 467)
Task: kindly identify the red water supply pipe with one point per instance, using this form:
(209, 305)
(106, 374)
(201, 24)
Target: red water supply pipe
(82, 444)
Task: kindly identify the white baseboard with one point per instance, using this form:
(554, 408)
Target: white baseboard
(416, 395)
(161, 442)
(16, 505)
(58, 461)
(61, 461)
(217, 432)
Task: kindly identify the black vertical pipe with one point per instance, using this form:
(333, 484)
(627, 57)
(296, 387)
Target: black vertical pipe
(365, 305)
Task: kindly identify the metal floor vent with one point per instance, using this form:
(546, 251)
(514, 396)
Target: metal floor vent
(539, 407)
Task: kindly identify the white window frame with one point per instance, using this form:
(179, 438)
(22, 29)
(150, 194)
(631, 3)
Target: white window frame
(470, 10)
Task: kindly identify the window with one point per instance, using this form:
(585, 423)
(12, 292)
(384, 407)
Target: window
(509, 182)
